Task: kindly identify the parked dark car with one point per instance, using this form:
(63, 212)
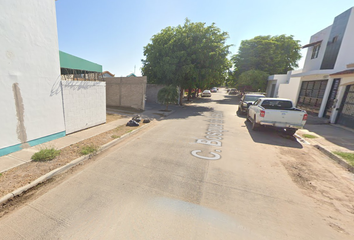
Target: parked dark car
(214, 89)
(233, 91)
(246, 101)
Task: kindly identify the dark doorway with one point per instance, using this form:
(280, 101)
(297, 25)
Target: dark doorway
(272, 90)
(346, 110)
(332, 96)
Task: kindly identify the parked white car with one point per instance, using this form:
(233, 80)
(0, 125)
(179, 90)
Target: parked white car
(206, 93)
(278, 113)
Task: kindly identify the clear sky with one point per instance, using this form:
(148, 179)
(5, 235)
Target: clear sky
(113, 33)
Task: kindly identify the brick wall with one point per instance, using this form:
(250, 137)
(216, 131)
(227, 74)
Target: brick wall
(126, 92)
(84, 104)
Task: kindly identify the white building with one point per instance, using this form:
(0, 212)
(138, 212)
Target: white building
(36, 105)
(325, 85)
(30, 101)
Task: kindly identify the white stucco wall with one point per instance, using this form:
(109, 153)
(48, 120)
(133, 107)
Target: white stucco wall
(30, 64)
(315, 64)
(269, 87)
(277, 79)
(84, 104)
(290, 90)
(346, 51)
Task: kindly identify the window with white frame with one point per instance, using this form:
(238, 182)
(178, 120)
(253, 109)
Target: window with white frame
(315, 50)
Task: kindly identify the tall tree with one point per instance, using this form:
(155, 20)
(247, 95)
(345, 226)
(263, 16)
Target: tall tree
(253, 80)
(192, 55)
(270, 54)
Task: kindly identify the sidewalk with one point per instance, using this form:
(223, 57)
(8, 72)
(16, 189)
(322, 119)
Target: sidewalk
(329, 138)
(20, 157)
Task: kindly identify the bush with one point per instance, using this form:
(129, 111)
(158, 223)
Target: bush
(46, 154)
(167, 95)
(88, 149)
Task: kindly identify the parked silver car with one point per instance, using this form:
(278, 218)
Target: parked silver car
(206, 93)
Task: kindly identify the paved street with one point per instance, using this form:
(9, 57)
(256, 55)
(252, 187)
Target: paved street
(201, 173)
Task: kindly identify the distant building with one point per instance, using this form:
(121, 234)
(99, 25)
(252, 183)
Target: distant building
(131, 75)
(325, 85)
(107, 74)
(76, 68)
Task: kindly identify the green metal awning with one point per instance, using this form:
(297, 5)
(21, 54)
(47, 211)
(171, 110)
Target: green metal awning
(69, 61)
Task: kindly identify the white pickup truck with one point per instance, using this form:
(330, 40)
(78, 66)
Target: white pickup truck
(278, 113)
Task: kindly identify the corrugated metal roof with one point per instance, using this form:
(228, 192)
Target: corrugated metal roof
(72, 62)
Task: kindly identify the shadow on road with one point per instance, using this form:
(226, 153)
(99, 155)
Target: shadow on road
(187, 111)
(229, 99)
(272, 137)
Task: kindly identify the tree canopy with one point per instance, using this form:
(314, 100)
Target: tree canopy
(253, 80)
(192, 55)
(270, 54)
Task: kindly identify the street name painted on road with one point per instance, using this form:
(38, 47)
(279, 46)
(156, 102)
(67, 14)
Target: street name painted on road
(213, 136)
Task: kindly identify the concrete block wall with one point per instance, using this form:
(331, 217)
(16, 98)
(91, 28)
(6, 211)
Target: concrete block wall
(84, 104)
(152, 91)
(126, 92)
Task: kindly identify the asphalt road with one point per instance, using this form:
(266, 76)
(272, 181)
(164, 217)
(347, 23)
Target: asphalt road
(201, 173)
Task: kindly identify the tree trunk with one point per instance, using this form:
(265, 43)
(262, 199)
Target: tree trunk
(166, 107)
(189, 93)
(180, 96)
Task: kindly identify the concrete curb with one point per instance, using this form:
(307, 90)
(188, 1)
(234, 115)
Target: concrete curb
(336, 158)
(64, 168)
(329, 154)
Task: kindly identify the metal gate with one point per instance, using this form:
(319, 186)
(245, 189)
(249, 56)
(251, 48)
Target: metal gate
(346, 114)
(311, 95)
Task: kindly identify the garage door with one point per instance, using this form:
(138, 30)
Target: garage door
(346, 113)
(311, 95)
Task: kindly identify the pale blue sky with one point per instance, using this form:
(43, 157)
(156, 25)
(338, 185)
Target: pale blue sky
(113, 33)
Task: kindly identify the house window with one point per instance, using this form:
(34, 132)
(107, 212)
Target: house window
(335, 39)
(315, 51)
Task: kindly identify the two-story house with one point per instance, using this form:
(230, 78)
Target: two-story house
(325, 85)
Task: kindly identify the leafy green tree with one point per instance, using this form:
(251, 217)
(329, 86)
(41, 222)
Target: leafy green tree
(253, 80)
(270, 54)
(167, 95)
(189, 56)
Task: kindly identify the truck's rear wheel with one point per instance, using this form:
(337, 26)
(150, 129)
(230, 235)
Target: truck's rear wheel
(247, 116)
(290, 131)
(255, 125)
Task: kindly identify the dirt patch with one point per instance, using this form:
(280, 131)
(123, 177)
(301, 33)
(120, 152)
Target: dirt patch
(113, 117)
(329, 185)
(24, 174)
